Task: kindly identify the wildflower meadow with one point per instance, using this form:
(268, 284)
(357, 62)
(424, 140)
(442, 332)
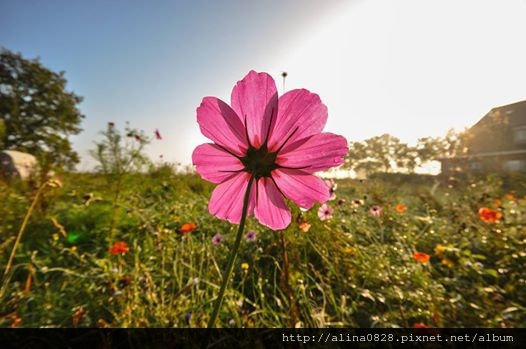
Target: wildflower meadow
(256, 237)
(154, 256)
(441, 262)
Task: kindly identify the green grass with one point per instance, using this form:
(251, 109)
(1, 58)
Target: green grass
(354, 270)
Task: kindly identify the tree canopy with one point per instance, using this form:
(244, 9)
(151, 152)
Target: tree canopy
(387, 153)
(37, 112)
(383, 153)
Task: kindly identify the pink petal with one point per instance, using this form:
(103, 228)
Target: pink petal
(256, 99)
(317, 153)
(300, 114)
(227, 198)
(271, 209)
(301, 187)
(221, 124)
(214, 164)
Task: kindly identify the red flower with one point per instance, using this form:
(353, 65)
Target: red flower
(187, 228)
(420, 325)
(421, 257)
(489, 216)
(158, 134)
(120, 247)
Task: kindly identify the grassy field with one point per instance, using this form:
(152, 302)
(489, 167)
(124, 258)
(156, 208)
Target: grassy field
(143, 251)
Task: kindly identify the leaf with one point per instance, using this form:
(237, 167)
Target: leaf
(74, 237)
(492, 272)
(367, 294)
(510, 310)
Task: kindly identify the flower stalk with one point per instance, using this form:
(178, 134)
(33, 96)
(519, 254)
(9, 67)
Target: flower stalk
(285, 283)
(5, 278)
(230, 265)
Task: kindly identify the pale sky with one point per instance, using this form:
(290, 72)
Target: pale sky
(411, 68)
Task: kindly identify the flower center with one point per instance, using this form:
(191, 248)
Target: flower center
(259, 162)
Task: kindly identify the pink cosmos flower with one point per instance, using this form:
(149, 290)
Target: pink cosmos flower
(250, 236)
(276, 141)
(217, 239)
(158, 134)
(375, 211)
(332, 188)
(325, 212)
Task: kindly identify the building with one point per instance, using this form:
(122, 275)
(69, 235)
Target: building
(15, 164)
(497, 143)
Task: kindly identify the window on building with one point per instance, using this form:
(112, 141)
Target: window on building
(515, 165)
(475, 166)
(519, 135)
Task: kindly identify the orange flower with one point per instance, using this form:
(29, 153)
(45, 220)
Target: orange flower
(420, 325)
(187, 228)
(120, 247)
(303, 224)
(304, 227)
(510, 196)
(14, 318)
(447, 262)
(421, 257)
(489, 216)
(400, 208)
(77, 316)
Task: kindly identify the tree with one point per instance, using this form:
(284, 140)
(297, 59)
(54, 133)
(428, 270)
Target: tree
(37, 111)
(383, 153)
(387, 153)
(453, 144)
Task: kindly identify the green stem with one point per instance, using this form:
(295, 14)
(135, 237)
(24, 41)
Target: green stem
(230, 265)
(114, 206)
(19, 237)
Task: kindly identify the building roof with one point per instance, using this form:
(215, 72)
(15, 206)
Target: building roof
(512, 114)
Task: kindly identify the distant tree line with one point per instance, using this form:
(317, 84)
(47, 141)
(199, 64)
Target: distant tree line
(386, 153)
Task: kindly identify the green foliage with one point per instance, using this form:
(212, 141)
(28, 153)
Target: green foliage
(38, 114)
(119, 158)
(453, 144)
(352, 270)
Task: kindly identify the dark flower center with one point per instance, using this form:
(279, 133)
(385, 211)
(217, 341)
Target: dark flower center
(260, 162)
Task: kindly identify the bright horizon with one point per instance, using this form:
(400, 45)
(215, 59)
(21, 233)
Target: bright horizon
(409, 68)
